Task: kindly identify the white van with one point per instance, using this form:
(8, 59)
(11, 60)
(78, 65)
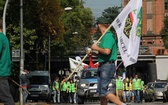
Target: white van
(39, 87)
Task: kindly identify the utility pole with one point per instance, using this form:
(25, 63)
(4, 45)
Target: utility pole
(4, 17)
(21, 47)
(49, 57)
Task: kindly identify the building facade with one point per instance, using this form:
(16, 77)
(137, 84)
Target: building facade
(154, 12)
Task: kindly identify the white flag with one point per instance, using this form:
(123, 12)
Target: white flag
(73, 64)
(128, 27)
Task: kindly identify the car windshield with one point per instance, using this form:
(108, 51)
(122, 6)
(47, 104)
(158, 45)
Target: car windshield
(149, 85)
(160, 85)
(39, 80)
(89, 74)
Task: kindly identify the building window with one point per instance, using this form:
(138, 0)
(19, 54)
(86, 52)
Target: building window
(166, 4)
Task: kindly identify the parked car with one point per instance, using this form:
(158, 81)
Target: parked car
(148, 94)
(157, 87)
(39, 87)
(165, 94)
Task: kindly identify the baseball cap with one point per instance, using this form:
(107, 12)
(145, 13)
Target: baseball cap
(101, 20)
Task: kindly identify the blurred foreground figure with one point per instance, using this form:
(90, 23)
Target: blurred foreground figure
(5, 69)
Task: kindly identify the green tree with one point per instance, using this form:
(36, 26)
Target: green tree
(47, 17)
(78, 20)
(164, 32)
(110, 14)
(41, 18)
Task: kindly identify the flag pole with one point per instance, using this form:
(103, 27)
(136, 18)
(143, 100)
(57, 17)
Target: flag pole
(87, 54)
(119, 65)
(19, 85)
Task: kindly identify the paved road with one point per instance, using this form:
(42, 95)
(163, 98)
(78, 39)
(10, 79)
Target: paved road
(97, 103)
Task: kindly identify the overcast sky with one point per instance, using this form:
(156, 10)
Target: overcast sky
(98, 6)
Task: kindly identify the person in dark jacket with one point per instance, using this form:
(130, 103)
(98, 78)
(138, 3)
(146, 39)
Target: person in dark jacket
(24, 77)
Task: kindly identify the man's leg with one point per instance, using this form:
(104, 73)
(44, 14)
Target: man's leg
(58, 97)
(135, 96)
(117, 93)
(103, 101)
(5, 95)
(138, 96)
(75, 97)
(124, 96)
(25, 94)
(113, 99)
(132, 96)
(54, 97)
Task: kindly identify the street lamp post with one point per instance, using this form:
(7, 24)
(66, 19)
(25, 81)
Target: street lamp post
(66, 9)
(49, 58)
(4, 17)
(21, 47)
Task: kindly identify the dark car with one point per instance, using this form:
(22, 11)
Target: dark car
(165, 94)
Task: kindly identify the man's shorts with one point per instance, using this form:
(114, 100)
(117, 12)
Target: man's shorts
(105, 74)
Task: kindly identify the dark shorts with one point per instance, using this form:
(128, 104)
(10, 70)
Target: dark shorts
(105, 74)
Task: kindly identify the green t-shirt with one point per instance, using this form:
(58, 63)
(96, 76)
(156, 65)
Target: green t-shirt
(108, 41)
(5, 59)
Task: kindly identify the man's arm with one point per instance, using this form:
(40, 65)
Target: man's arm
(105, 51)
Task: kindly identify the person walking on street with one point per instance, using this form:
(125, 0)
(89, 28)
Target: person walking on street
(5, 69)
(107, 54)
(142, 90)
(125, 93)
(131, 90)
(72, 90)
(65, 88)
(56, 90)
(75, 94)
(24, 77)
(119, 87)
(137, 88)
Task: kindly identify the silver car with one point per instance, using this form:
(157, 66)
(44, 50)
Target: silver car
(157, 87)
(87, 85)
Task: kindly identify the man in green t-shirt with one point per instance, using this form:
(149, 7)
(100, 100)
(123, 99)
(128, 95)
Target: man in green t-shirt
(5, 69)
(107, 54)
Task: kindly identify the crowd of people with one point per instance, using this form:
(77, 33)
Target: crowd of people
(64, 92)
(130, 89)
(127, 90)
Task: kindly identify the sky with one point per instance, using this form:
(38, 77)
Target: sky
(98, 6)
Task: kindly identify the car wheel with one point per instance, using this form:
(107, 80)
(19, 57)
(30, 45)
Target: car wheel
(164, 97)
(80, 100)
(48, 99)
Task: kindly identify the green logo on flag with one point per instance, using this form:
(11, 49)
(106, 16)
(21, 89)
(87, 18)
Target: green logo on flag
(139, 26)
